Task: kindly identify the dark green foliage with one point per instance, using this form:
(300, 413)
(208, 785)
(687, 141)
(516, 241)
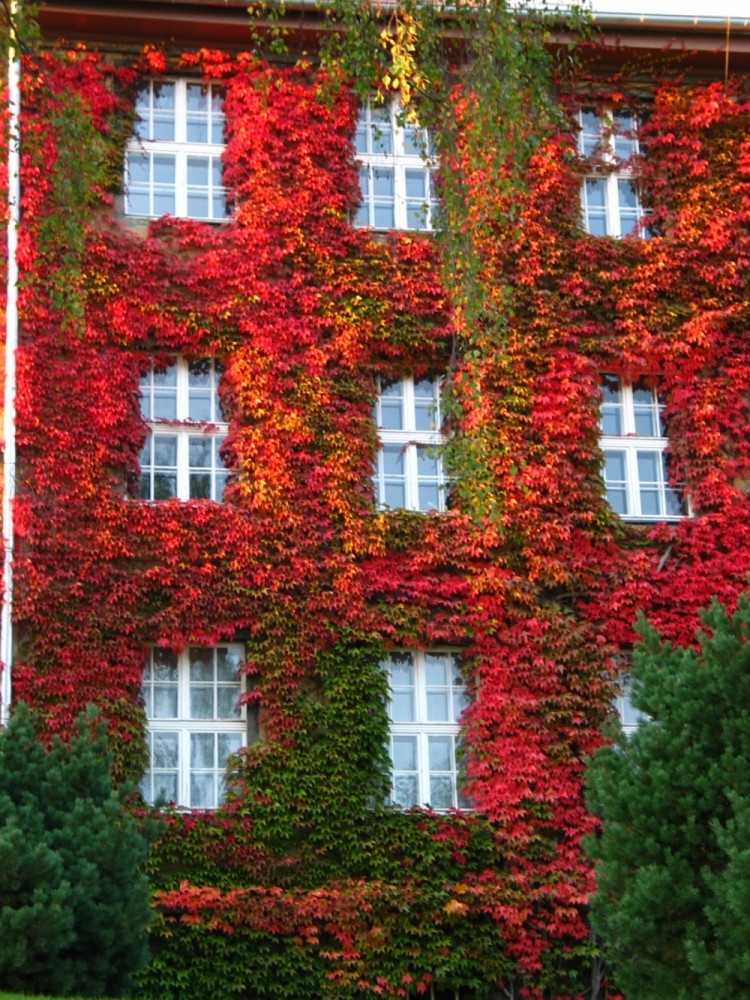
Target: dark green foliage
(423, 864)
(673, 876)
(309, 792)
(75, 905)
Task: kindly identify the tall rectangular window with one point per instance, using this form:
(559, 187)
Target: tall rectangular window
(181, 456)
(427, 697)
(395, 171)
(195, 722)
(409, 470)
(634, 442)
(173, 163)
(610, 205)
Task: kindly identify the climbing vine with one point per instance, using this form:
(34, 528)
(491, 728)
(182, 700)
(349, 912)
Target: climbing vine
(304, 882)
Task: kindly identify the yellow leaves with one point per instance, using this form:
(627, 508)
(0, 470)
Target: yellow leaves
(454, 907)
(398, 39)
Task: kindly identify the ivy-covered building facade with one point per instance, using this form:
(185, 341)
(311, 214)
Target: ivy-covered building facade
(357, 417)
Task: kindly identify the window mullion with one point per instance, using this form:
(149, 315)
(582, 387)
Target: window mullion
(183, 675)
(184, 765)
(633, 483)
(180, 110)
(423, 749)
(180, 173)
(183, 476)
(399, 194)
(412, 484)
(628, 409)
(612, 206)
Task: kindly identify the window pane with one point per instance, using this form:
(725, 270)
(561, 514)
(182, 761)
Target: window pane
(163, 117)
(197, 205)
(460, 701)
(615, 481)
(165, 753)
(440, 748)
(417, 215)
(139, 168)
(227, 664)
(590, 131)
(646, 423)
(595, 193)
(629, 715)
(425, 406)
(165, 450)
(441, 791)
(164, 665)
(197, 171)
(229, 743)
(202, 750)
(165, 702)
(405, 792)
(402, 706)
(611, 415)
(427, 463)
(625, 145)
(227, 702)
(197, 113)
(391, 414)
(221, 482)
(436, 669)
(416, 184)
(200, 486)
(200, 451)
(201, 703)
(201, 664)
(199, 374)
(648, 466)
(404, 753)
(402, 669)
(415, 141)
(615, 466)
(164, 787)
(383, 217)
(382, 183)
(165, 378)
(674, 504)
(650, 506)
(437, 706)
(429, 497)
(394, 495)
(361, 135)
(381, 131)
(165, 486)
(164, 170)
(393, 459)
(203, 791)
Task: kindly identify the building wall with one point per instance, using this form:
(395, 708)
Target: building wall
(315, 887)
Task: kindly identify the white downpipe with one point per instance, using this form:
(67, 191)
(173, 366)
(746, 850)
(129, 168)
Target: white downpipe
(11, 343)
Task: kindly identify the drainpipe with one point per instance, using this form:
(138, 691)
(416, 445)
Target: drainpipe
(11, 342)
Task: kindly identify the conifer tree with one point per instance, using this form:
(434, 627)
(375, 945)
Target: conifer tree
(673, 856)
(74, 902)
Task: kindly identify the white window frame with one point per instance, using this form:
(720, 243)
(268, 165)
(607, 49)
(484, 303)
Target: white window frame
(148, 152)
(386, 148)
(611, 138)
(174, 729)
(412, 721)
(184, 436)
(631, 493)
(413, 445)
